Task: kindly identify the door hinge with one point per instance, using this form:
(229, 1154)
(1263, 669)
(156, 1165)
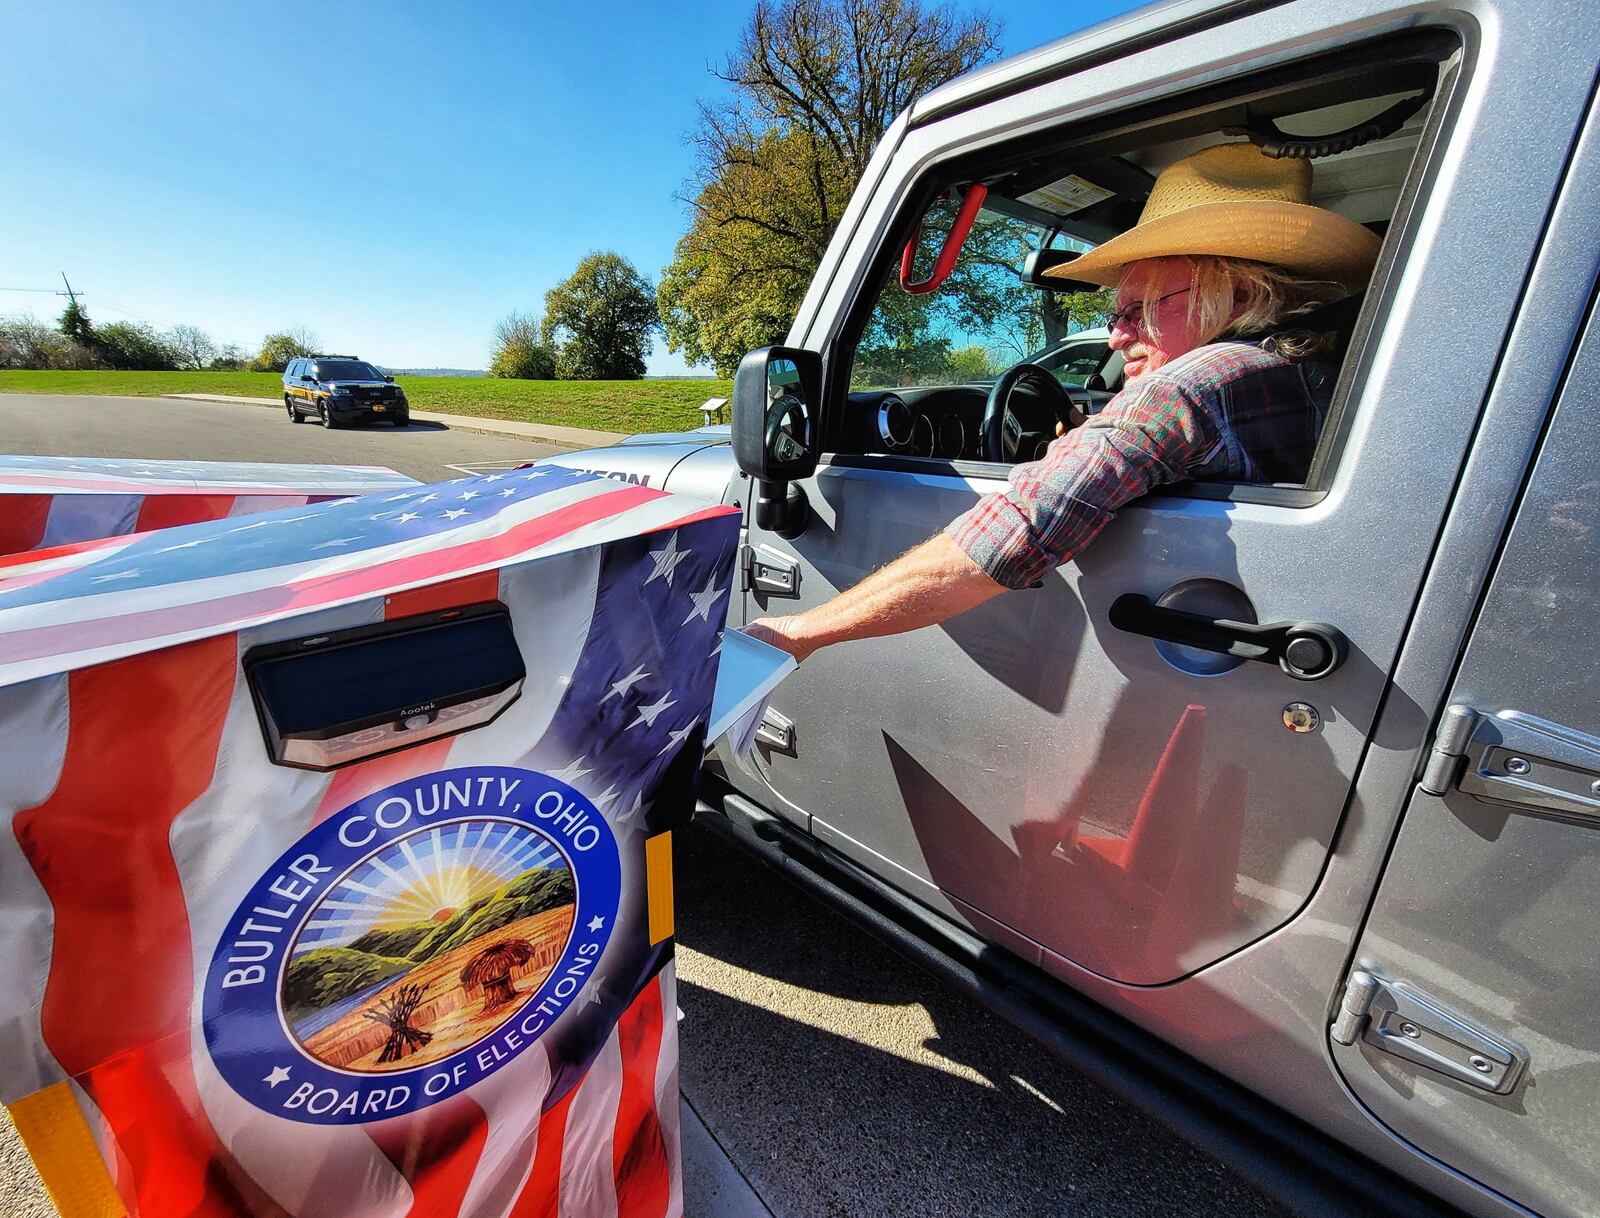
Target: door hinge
(1515, 758)
(1449, 748)
(1400, 1019)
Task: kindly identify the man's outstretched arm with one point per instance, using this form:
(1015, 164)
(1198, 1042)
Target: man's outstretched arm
(1052, 509)
(923, 587)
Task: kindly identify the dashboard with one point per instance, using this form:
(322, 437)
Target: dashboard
(941, 421)
(944, 421)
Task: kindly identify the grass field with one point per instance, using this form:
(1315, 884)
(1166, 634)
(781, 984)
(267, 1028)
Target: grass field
(626, 406)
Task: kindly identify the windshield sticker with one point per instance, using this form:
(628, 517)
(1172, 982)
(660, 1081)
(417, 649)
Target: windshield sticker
(1068, 195)
(412, 944)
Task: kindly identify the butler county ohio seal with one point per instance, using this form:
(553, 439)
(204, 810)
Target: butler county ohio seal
(411, 944)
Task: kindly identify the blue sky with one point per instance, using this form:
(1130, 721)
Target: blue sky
(397, 177)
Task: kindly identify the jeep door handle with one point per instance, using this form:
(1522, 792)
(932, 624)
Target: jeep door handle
(1307, 651)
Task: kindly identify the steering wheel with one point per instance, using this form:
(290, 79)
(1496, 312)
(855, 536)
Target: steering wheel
(1014, 424)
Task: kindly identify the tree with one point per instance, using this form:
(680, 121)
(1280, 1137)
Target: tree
(520, 350)
(191, 347)
(740, 271)
(230, 358)
(815, 83)
(278, 349)
(970, 364)
(75, 324)
(134, 346)
(600, 320)
(26, 342)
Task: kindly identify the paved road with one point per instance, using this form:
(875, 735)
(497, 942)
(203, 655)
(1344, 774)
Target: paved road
(156, 428)
(838, 1079)
(842, 1081)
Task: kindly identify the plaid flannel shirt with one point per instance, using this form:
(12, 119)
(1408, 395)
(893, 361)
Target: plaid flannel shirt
(1228, 412)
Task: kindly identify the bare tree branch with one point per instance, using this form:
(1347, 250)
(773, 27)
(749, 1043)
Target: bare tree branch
(813, 85)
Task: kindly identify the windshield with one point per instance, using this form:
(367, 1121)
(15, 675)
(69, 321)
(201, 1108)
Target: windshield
(1074, 363)
(978, 322)
(346, 370)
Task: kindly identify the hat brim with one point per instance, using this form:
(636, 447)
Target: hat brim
(1298, 237)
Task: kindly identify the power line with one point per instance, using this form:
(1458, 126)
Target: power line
(74, 294)
(121, 308)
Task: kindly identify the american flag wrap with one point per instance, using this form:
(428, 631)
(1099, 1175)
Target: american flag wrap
(54, 501)
(435, 982)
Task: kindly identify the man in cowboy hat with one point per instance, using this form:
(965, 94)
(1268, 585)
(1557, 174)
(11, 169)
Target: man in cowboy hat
(1217, 385)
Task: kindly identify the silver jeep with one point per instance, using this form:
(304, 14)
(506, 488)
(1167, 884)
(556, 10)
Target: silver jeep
(1279, 808)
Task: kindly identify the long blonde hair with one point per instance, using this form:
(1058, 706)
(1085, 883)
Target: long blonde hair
(1270, 297)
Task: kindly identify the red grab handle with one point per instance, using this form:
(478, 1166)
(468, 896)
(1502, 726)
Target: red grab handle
(957, 237)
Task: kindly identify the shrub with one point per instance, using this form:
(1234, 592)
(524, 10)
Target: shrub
(519, 351)
(278, 349)
(134, 346)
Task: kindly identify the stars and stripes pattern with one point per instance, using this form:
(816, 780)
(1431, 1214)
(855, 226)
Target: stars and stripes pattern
(53, 501)
(141, 805)
(164, 588)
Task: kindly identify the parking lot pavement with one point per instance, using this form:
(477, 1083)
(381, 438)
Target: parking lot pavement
(840, 1080)
(22, 1194)
(166, 428)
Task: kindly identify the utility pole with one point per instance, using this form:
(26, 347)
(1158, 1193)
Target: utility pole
(69, 293)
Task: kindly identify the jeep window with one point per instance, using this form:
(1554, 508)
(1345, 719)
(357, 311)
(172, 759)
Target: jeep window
(979, 321)
(1074, 363)
(920, 364)
(346, 370)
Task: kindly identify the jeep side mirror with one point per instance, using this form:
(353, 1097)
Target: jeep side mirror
(776, 436)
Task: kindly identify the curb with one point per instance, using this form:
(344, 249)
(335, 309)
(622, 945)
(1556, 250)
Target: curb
(573, 438)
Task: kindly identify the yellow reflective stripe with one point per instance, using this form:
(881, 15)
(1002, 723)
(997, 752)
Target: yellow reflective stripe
(658, 881)
(64, 1151)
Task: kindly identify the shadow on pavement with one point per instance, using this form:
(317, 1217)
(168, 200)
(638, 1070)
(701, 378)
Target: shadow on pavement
(842, 1080)
(380, 427)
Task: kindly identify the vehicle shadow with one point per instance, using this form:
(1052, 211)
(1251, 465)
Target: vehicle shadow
(841, 1080)
(413, 425)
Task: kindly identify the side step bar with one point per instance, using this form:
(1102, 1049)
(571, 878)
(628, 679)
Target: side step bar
(1279, 1153)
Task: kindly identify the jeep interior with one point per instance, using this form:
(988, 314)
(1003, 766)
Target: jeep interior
(925, 349)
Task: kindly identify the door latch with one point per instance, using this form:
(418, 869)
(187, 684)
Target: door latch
(770, 572)
(1400, 1019)
(1306, 651)
(1514, 758)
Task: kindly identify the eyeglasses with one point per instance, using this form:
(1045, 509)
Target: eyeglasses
(1132, 315)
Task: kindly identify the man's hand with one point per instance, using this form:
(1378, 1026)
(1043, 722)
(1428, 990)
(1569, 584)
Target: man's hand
(929, 584)
(784, 633)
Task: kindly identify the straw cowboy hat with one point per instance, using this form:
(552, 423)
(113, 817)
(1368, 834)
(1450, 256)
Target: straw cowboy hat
(1233, 200)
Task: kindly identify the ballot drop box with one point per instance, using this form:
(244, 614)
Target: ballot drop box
(54, 501)
(337, 879)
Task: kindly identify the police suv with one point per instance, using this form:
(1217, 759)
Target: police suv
(1328, 906)
(340, 389)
